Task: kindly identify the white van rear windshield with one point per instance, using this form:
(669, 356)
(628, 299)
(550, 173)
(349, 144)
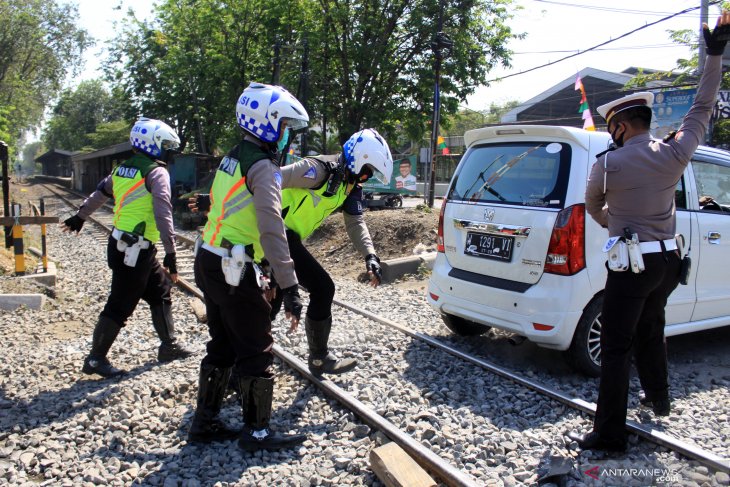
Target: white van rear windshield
(518, 173)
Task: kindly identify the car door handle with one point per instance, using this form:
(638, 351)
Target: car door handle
(714, 237)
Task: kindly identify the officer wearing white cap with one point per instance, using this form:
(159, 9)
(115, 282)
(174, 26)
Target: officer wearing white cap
(631, 192)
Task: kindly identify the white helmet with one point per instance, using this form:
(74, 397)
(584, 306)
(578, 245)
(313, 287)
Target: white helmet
(367, 148)
(261, 108)
(153, 136)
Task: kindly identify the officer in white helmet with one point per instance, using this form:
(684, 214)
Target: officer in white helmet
(315, 187)
(244, 225)
(140, 187)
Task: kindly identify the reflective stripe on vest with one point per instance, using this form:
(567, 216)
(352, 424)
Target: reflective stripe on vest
(232, 217)
(133, 209)
(307, 208)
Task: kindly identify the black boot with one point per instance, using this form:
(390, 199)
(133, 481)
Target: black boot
(661, 407)
(206, 426)
(256, 397)
(105, 333)
(164, 326)
(320, 359)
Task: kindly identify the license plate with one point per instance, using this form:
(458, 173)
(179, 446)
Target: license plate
(489, 246)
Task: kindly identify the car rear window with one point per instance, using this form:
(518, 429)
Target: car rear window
(517, 173)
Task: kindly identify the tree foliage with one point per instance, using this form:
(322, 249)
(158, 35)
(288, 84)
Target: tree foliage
(40, 43)
(77, 114)
(466, 119)
(370, 62)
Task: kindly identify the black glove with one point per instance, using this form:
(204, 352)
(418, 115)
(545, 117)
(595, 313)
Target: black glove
(292, 301)
(716, 40)
(202, 201)
(170, 262)
(372, 263)
(74, 223)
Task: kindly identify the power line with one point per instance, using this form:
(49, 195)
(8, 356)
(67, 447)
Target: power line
(593, 48)
(605, 9)
(651, 46)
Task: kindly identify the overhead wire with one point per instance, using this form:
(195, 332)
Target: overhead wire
(650, 46)
(606, 9)
(593, 48)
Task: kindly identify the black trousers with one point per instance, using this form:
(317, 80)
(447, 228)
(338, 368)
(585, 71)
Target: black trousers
(633, 323)
(146, 280)
(238, 323)
(312, 277)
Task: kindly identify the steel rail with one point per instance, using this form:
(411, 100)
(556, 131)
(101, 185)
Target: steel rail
(654, 435)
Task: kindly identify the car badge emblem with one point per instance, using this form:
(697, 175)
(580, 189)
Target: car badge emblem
(489, 214)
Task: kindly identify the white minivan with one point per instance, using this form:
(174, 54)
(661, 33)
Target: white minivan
(517, 250)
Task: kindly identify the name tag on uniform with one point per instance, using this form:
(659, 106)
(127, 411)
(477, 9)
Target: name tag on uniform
(127, 172)
(228, 165)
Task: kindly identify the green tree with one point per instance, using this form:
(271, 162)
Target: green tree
(40, 43)
(466, 119)
(370, 62)
(77, 114)
(380, 70)
(108, 133)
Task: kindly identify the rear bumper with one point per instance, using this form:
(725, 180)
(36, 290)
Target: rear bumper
(556, 301)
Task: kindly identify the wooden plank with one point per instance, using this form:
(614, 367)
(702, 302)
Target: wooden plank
(28, 220)
(199, 310)
(395, 468)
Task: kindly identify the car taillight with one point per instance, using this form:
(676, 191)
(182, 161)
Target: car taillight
(440, 236)
(566, 253)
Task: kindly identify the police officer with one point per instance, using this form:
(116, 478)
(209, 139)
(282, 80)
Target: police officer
(244, 224)
(140, 187)
(631, 191)
(314, 188)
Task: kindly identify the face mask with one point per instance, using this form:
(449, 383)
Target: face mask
(284, 140)
(619, 140)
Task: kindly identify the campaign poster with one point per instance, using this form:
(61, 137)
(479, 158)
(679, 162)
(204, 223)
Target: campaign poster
(402, 181)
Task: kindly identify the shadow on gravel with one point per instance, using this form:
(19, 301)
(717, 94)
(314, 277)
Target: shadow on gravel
(214, 462)
(50, 406)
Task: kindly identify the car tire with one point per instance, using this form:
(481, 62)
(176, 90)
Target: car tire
(463, 327)
(584, 354)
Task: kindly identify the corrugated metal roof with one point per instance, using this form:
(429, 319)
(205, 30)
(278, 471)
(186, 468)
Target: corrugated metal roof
(106, 151)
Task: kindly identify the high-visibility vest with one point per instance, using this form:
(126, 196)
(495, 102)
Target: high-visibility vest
(232, 217)
(133, 210)
(305, 209)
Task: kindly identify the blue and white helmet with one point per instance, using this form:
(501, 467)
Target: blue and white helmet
(368, 149)
(261, 109)
(153, 136)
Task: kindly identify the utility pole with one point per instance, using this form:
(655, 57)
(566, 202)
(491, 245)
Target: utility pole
(441, 42)
(704, 14)
(6, 192)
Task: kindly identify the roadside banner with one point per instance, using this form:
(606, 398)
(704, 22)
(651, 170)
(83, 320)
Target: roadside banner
(669, 108)
(402, 181)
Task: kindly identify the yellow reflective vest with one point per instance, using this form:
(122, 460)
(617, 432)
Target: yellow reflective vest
(232, 217)
(133, 210)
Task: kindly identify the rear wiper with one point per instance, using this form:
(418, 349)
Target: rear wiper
(481, 174)
(487, 186)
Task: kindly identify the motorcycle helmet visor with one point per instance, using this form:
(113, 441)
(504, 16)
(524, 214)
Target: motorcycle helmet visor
(296, 124)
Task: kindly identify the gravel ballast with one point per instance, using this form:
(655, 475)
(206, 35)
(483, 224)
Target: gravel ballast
(60, 427)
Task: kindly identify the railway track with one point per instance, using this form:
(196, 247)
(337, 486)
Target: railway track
(444, 470)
